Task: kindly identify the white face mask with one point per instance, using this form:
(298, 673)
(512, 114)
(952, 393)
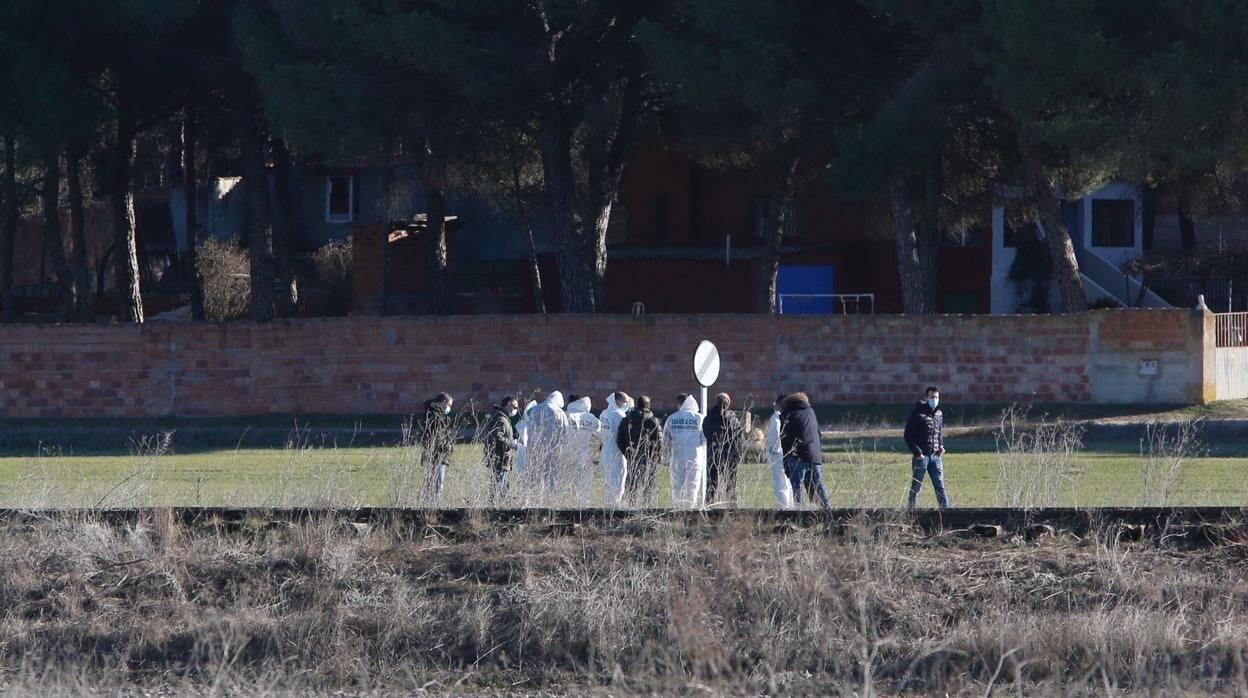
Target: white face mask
(513, 412)
(932, 402)
(446, 409)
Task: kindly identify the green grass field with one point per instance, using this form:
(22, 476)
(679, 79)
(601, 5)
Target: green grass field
(859, 471)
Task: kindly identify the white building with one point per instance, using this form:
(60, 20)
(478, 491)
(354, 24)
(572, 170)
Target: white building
(1106, 228)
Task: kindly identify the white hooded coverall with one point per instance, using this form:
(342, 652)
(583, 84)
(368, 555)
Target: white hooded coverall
(614, 464)
(582, 430)
(522, 438)
(547, 433)
(775, 458)
(686, 447)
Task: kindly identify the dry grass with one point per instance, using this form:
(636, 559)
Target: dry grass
(1034, 458)
(1164, 449)
(649, 606)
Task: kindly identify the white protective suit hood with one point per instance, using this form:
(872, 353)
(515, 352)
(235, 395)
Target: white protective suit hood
(613, 463)
(583, 430)
(686, 446)
(547, 431)
(522, 438)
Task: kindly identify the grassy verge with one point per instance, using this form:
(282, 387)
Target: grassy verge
(104, 436)
(858, 472)
(325, 461)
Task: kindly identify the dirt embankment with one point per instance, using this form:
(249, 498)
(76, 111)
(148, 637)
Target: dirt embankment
(641, 605)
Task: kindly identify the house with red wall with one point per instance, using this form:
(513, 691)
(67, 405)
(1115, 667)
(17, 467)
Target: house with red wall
(683, 238)
(688, 238)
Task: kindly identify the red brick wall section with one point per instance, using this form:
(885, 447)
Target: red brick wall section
(389, 365)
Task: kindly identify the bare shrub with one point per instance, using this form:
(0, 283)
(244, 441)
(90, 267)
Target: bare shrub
(226, 271)
(38, 487)
(1034, 460)
(333, 263)
(869, 484)
(403, 471)
(131, 490)
(1164, 449)
(314, 475)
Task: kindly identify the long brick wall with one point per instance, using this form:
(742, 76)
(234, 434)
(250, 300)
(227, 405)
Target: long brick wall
(389, 365)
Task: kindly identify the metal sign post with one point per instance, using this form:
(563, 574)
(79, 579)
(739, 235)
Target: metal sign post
(706, 368)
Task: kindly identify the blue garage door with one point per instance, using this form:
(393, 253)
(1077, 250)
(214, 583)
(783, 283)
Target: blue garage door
(805, 289)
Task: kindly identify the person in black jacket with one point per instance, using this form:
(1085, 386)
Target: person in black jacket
(640, 439)
(437, 439)
(724, 434)
(925, 438)
(500, 446)
(803, 448)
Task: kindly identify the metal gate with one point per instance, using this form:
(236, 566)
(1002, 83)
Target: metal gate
(1231, 355)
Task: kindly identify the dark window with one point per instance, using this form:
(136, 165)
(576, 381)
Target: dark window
(662, 218)
(1113, 223)
(339, 199)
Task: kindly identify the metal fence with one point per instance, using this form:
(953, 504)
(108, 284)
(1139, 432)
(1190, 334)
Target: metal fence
(1221, 295)
(826, 303)
(1231, 356)
(1232, 329)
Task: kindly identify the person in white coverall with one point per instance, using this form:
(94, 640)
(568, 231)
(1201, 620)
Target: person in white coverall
(548, 432)
(775, 458)
(614, 464)
(686, 450)
(582, 432)
(522, 438)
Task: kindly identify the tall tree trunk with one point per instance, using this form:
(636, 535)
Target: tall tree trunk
(535, 270)
(929, 233)
(1187, 226)
(1049, 212)
(596, 248)
(610, 122)
(436, 257)
(190, 185)
(10, 229)
(776, 220)
(53, 240)
(535, 273)
(284, 236)
(259, 214)
(125, 240)
(576, 266)
(914, 298)
(83, 291)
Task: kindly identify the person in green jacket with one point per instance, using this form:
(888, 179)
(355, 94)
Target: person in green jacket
(500, 446)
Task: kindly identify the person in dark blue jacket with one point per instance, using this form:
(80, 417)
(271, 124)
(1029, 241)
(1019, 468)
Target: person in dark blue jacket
(925, 438)
(803, 448)
(724, 436)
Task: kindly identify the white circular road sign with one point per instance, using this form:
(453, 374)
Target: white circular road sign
(706, 364)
